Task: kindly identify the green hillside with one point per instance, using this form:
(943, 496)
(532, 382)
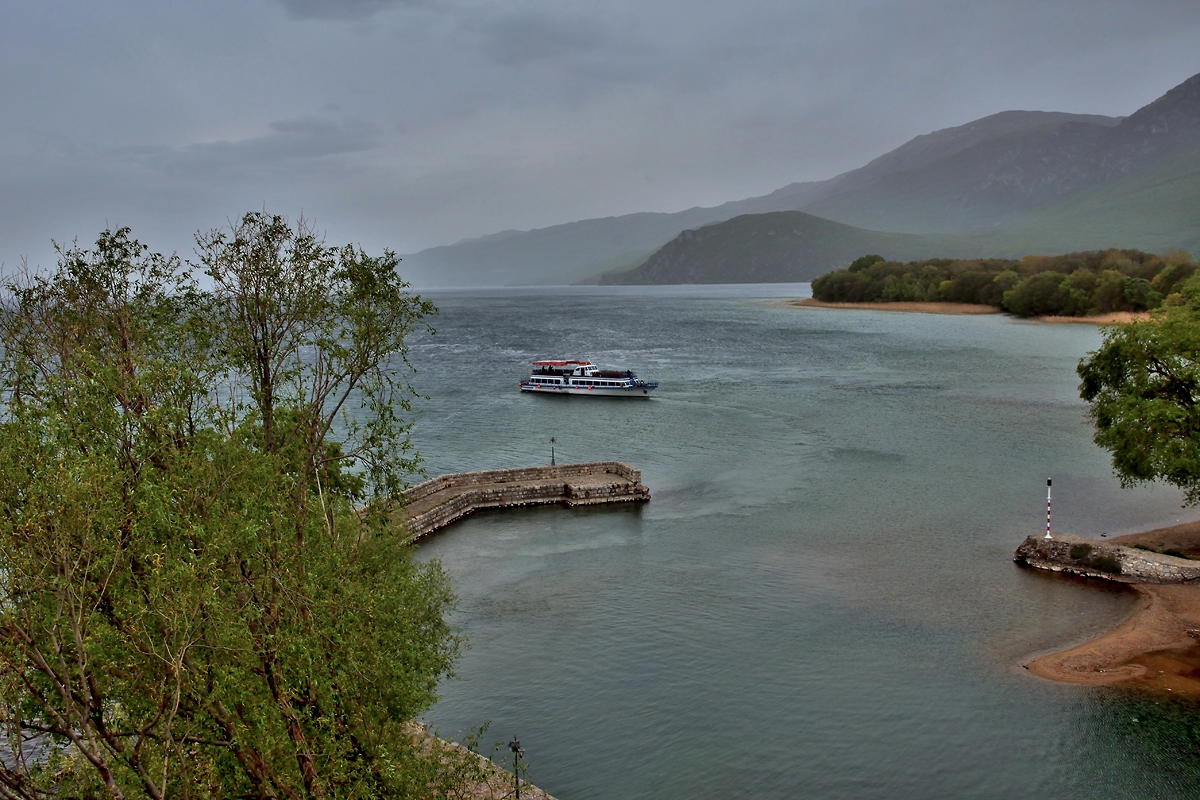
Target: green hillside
(1013, 179)
(1155, 210)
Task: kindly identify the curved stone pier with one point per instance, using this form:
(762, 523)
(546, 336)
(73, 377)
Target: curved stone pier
(436, 503)
(1094, 558)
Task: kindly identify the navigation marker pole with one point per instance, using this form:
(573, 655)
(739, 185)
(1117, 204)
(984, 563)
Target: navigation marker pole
(517, 751)
(1048, 508)
(552, 443)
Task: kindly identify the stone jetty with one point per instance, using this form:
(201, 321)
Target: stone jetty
(1093, 558)
(434, 504)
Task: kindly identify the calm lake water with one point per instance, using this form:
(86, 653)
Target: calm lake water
(819, 601)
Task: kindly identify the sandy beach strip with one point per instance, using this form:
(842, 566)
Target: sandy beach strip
(1157, 647)
(920, 308)
(1115, 318)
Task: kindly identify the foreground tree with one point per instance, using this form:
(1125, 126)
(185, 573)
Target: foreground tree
(178, 615)
(1143, 384)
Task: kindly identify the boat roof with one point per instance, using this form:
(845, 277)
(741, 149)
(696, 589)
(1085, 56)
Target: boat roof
(561, 363)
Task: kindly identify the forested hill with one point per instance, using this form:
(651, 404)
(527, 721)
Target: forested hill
(765, 248)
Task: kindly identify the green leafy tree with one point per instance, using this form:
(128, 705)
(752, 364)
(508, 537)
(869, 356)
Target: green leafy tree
(1143, 387)
(179, 616)
(1035, 296)
(863, 263)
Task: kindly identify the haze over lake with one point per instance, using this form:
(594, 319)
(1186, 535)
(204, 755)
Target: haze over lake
(820, 600)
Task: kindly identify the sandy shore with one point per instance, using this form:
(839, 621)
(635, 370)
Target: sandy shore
(1116, 318)
(1158, 647)
(1154, 648)
(921, 308)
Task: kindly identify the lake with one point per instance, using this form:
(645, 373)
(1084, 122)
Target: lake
(819, 601)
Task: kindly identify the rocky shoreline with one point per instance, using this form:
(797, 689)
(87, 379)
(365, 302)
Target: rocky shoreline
(1110, 561)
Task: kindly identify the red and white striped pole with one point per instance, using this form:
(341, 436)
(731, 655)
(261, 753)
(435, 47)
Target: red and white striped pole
(1047, 508)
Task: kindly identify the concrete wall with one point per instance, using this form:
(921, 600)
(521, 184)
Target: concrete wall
(1136, 566)
(527, 486)
(458, 479)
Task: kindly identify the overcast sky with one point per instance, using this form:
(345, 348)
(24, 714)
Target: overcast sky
(412, 123)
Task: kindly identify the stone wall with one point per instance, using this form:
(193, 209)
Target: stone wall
(1079, 555)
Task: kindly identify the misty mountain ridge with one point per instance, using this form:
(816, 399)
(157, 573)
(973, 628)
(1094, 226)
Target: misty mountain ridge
(1000, 178)
(1004, 171)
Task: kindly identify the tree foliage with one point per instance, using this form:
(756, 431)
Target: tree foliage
(1073, 285)
(190, 603)
(1143, 387)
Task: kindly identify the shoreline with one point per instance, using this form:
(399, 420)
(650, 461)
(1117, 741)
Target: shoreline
(1156, 648)
(1115, 318)
(912, 307)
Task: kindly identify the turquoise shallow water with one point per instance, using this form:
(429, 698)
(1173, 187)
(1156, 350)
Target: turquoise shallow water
(819, 601)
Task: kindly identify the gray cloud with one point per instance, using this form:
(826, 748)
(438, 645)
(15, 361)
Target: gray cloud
(519, 38)
(337, 9)
(493, 114)
(301, 138)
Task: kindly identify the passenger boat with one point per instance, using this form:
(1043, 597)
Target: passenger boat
(584, 377)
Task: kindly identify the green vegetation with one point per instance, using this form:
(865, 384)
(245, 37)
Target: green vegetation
(1100, 561)
(1143, 387)
(1170, 551)
(1073, 285)
(191, 603)
(1079, 551)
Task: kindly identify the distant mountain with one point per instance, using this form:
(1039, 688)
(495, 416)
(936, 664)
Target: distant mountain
(1155, 209)
(1000, 179)
(1016, 181)
(578, 251)
(777, 247)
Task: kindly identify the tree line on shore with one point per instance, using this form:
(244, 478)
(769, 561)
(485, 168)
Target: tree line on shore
(1072, 285)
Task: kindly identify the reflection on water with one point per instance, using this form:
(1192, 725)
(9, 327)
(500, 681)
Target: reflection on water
(820, 599)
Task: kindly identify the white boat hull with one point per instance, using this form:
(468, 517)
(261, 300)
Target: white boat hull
(589, 391)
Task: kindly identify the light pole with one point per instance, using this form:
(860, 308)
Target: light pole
(553, 441)
(515, 746)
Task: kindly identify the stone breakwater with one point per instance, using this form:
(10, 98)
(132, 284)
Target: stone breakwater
(1079, 555)
(436, 503)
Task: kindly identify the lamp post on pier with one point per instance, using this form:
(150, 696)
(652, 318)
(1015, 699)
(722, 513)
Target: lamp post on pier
(552, 443)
